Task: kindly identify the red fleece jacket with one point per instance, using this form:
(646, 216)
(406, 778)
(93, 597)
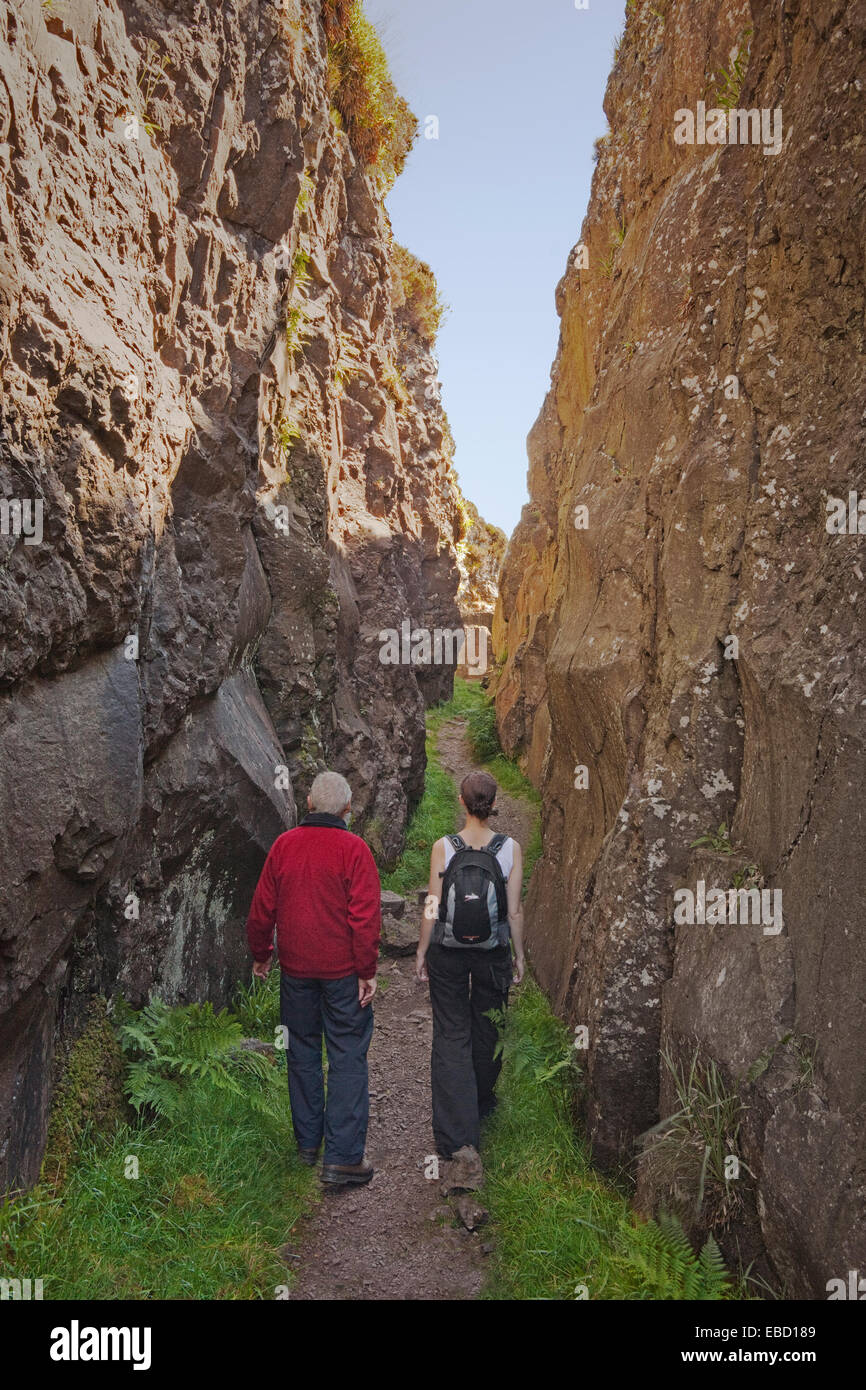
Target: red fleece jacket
(321, 891)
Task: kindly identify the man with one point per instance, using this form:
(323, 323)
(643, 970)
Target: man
(321, 890)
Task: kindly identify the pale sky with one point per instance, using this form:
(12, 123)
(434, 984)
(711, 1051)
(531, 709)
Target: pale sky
(496, 203)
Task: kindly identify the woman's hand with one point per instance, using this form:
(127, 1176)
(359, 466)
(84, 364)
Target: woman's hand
(421, 967)
(519, 968)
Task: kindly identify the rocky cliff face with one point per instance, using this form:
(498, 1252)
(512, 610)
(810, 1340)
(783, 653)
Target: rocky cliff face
(240, 481)
(684, 653)
(479, 557)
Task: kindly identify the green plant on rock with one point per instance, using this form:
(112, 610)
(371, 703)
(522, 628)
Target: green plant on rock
(151, 78)
(805, 1051)
(718, 840)
(170, 1049)
(395, 385)
(301, 276)
(297, 329)
(600, 144)
(89, 1095)
(288, 434)
(348, 363)
(730, 80)
(747, 877)
(305, 192)
(669, 1268)
(689, 1153)
(415, 294)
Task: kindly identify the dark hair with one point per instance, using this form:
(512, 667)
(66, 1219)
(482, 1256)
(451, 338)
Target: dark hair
(479, 790)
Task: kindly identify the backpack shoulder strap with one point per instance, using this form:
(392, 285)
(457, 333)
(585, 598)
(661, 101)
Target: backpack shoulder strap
(495, 845)
(456, 842)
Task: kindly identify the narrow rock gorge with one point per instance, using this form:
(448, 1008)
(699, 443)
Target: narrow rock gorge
(219, 398)
(679, 624)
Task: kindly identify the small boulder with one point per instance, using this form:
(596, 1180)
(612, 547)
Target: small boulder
(463, 1172)
(398, 938)
(392, 904)
(471, 1212)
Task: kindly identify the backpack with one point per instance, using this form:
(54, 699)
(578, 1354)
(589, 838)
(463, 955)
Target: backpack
(474, 903)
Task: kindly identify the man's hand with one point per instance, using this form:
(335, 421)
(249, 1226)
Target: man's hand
(366, 990)
(519, 969)
(421, 967)
(262, 968)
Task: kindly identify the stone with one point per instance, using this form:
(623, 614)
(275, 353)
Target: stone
(471, 1213)
(399, 938)
(392, 904)
(463, 1172)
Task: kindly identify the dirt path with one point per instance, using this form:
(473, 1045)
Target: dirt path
(397, 1238)
(515, 816)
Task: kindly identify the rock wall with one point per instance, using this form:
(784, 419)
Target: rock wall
(240, 486)
(707, 400)
(479, 557)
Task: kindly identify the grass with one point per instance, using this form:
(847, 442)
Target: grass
(435, 815)
(690, 1151)
(395, 385)
(377, 120)
(438, 812)
(561, 1231)
(150, 79)
(218, 1194)
(415, 294)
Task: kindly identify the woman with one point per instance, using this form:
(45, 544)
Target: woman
(473, 913)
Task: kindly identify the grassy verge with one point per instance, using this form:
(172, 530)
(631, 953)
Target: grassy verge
(562, 1231)
(218, 1192)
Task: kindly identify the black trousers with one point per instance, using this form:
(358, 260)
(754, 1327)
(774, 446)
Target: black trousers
(464, 984)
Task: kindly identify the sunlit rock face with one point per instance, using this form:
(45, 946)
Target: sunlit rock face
(691, 639)
(231, 514)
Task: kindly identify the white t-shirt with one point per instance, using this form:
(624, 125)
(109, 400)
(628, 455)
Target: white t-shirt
(505, 855)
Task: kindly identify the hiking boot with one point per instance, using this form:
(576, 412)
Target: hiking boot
(343, 1174)
(309, 1156)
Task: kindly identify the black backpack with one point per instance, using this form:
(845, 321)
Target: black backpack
(474, 898)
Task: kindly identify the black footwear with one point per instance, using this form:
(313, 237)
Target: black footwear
(309, 1156)
(344, 1174)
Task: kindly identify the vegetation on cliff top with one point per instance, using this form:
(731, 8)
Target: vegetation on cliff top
(378, 121)
(415, 294)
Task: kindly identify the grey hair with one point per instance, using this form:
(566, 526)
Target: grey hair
(330, 793)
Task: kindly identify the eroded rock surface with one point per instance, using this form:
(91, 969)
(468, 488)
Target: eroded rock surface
(243, 479)
(707, 398)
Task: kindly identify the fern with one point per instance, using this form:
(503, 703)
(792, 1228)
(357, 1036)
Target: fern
(545, 1056)
(193, 1046)
(348, 363)
(662, 1255)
